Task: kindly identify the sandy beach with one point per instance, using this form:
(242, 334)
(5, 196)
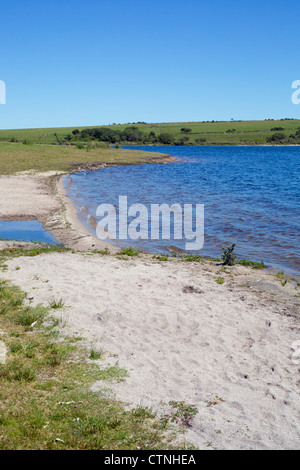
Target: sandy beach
(227, 349)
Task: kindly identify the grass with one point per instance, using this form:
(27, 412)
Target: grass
(56, 304)
(202, 133)
(45, 397)
(182, 412)
(64, 158)
(252, 264)
(191, 258)
(284, 279)
(161, 257)
(96, 354)
(129, 252)
(15, 252)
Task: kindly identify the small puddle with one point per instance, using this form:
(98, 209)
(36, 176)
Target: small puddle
(28, 231)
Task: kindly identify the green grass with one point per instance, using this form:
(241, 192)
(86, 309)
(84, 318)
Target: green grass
(214, 133)
(252, 264)
(129, 252)
(96, 354)
(15, 252)
(161, 257)
(19, 157)
(56, 304)
(45, 397)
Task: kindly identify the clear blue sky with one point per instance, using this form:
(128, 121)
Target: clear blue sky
(73, 63)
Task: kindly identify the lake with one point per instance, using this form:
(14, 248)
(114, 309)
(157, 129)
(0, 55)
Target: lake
(250, 194)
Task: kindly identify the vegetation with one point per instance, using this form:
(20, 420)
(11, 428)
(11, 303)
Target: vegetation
(129, 252)
(182, 412)
(161, 257)
(16, 156)
(141, 133)
(45, 397)
(37, 249)
(252, 264)
(228, 255)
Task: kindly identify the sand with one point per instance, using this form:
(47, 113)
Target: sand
(227, 349)
(41, 196)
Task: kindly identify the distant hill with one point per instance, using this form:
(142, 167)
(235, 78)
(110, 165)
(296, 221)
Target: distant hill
(277, 132)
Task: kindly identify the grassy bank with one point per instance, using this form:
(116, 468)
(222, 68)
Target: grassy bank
(198, 133)
(17, 157)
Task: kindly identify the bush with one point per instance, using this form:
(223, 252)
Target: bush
(277, 137)
(166, 138)
(183, 141)
(228, 256)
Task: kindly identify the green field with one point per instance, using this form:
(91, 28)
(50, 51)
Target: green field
(211, 133)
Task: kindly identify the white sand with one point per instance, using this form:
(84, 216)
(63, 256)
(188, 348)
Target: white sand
(180, 335)
(224, 341)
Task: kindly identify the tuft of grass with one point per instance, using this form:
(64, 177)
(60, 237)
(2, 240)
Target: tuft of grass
(161, 257)
(29, 315)
(220, 280)
(101, 252)
(129, 252)
(182, 412)
(16, 370)
(96, 354)
(56, 304)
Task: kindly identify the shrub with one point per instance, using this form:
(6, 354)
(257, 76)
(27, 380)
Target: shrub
(166, 138)
(183, 141)
(277, 137)
(228, 256)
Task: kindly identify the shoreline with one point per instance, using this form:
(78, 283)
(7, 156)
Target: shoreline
(53, 208)
(47, 203)
(213, 337)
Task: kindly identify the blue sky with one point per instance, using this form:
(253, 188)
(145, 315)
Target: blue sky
(74, 63)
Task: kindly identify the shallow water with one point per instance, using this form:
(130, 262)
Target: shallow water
(251, 197)
(29, 230)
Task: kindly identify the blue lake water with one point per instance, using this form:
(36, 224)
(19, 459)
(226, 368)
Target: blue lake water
(29, 230)
(251, 197)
